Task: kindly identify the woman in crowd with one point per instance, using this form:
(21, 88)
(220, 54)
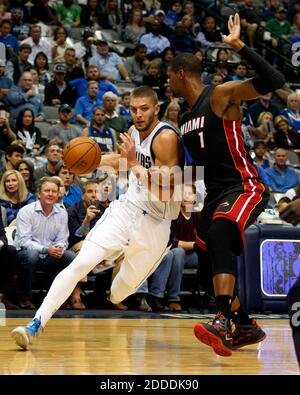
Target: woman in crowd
(27, 132)
(171, 114)
(135, 28)
(14, 194)
(26, 169)
(42, 67)
(61, 42)
(285, 136)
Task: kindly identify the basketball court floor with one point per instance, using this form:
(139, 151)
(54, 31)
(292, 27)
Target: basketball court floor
(133, 343)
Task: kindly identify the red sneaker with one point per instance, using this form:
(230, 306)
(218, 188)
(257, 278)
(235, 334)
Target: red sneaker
(245, 335)
(217, 335)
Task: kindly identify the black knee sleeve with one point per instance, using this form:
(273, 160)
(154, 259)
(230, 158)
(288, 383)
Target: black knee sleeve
(221, 236)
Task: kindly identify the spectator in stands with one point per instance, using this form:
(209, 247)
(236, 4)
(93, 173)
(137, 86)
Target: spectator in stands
(136, 65)
(42, 12)
(68, 13)
(13, 194)
(265, 129)
(85, 105)
(8, 265)
(167, 98)
(37, 87)
(285, 136)
(54, 157)
(105, 136)
(73, 72)
(262, 105)
(282, 177)
(251, 16)
(42, 238)
(260, 151)
(13, 153)
(92, 74)
(159, 16)
(240, 72)
(26, 169)
(188, 23)
(64, 129)
(167, 55)
(60, 43)
(217, 79)
(37, 44)
(19, 29)
(171, 114)
(22, 96)
(166, 280)
(72, 192)
(59, 91)
(189, 10)
(6, 134)
(5, 82)
(209, 34)
(85, 48)
(111, 65)
(280, 30)
(153, 77)
(24, 10)
(16, 66)
(4, 12)
(270, 11)
(293, 9)
(175, 14)
(134, 28)
(82, 217)
(41, 65)
(154, 41)
(291, 112)
(90, 14)
(124, 108)
(112, 118)
(223, 69)
(26, 131)
(181, 40)
(9, 40)
(137, 5)
(111, 18)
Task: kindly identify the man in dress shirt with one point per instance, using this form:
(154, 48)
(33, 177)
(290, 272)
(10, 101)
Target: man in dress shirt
(42, 238)
(110, 64)
(154, 41)
(38, 44)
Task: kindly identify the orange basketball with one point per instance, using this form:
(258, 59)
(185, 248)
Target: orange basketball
(82, 155)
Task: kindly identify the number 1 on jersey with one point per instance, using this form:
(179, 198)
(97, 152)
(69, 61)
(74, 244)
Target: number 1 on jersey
(201, 139)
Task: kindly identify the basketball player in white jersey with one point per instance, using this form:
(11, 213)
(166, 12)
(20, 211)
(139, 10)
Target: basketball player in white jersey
(136, 225)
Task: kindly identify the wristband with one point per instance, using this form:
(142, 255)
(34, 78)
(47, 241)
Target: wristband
(85, 228)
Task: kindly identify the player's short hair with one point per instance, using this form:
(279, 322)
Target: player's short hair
(145, 91)
(186, 62)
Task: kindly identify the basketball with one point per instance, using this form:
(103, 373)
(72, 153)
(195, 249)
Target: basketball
(82, 155)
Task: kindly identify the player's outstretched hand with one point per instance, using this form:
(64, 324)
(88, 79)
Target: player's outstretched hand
(127, 150)
(291, 212)
(234, 28)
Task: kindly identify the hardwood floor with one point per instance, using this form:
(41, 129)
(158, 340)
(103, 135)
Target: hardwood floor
(140, 346)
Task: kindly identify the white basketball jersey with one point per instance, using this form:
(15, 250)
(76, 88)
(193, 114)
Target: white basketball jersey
(137, 193)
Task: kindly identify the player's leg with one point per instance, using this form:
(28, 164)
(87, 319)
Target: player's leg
(147, 247)
(111, 233)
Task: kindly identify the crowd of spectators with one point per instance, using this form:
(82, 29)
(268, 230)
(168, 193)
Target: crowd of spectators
(66, 70)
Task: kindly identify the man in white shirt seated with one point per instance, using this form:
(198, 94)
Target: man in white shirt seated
(38, 44)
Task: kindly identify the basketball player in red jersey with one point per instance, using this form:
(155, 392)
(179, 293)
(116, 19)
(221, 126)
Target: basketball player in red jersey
(212, 137)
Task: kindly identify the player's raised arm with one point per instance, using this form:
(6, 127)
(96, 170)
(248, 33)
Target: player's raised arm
(269, 79)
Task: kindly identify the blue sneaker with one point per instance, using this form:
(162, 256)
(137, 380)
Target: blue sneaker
(24, 335)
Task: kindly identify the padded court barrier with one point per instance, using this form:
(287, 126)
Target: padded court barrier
(269, 266)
